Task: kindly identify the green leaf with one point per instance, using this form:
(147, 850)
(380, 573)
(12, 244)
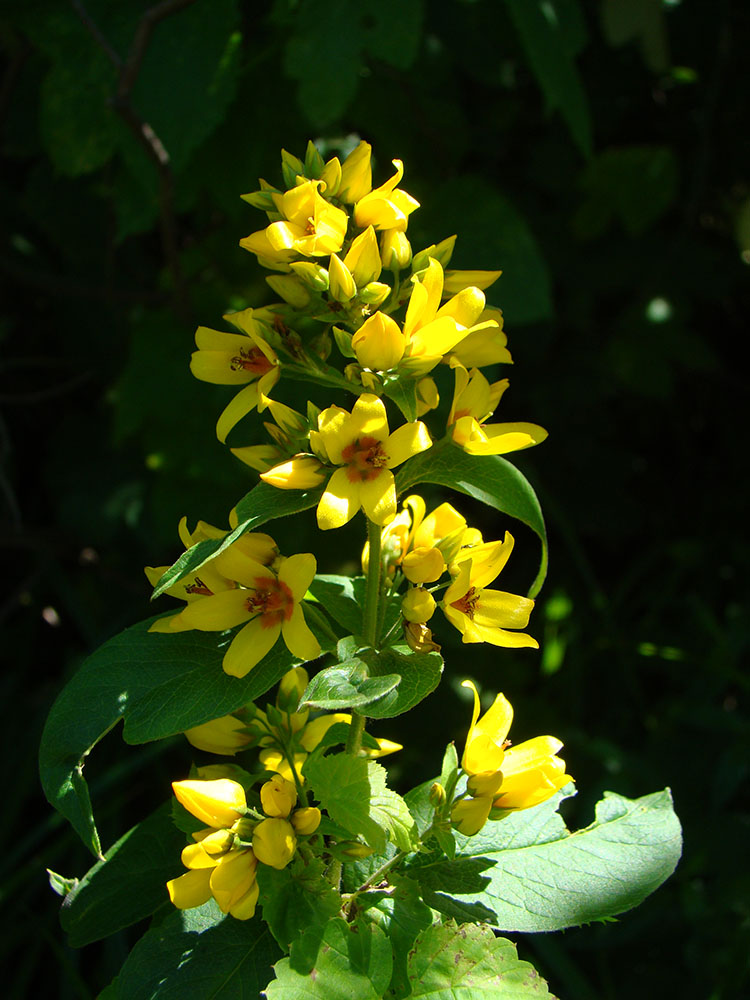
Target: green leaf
(199, 953)
(346, 685)
(403, 392)
(551, 60)
(201, 47)
(635, 185)
(488, 478)
(497, 234)
(262, 504)
(128, 885)
(353, 792)
(542, 877)
(354, 961)
(402, 915)
(449, 961)
(339, 596)
(296, 899)
(419, 673)
(161, 684)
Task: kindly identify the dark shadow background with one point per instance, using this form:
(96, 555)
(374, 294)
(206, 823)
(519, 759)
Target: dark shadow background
(598, 153)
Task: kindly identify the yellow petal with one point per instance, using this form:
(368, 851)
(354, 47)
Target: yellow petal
(339, 503)
(245, 401)
(378, 497)
(299, 640)
(218, 612)
(232, 877)
(249, 647)
(218, 803)
(191, 889)
(407, 440)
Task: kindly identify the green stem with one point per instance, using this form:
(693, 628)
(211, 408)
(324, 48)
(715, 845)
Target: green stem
(356, 731)
(372, 592)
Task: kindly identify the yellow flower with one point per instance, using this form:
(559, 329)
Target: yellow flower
(386, 207)
(379, 343)
(310, 227)
(486, 615)
(469, 815)
(306, 821)
(210, 579)
(274, 760)
(484, 346)
(356, 174)
(230, 880)
(278, 796)
(418, 605)
(226, 735)
(474, 401)
(432, 330)
(530, 772)
(363, 258)
(218, 803)
(361, 444)
(274, 842)
(267, 601)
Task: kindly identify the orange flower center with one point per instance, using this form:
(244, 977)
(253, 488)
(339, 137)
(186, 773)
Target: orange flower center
(251, 359)
(467, 604)
(272, 600)
(365, 458)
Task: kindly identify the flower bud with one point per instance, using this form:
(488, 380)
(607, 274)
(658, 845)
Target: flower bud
(303, 472)
(379, 343)
(418, 605)
(395, 250)
(274, 842)
(191, 889)
(356, 174)
(470, 815)
(291, 289)
(342, 286)
(233, 877)
(356, 849)
(419, 638)
(363, 258)
(306, 821)
(374, 293)
(427, 395)
(217, 803)
(423, 565)
(278, 796)
(331, 177)
(437, 794)
(226, 735)
(274, 760)
(313, 276)
(217, 841)
(291, 687)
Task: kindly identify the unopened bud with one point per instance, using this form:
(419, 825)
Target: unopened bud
(423, 565)
(278, 796)
(374, 293)
(395, 250)
(418, 605)
(290, 288)
(342, 286)
(291, 686)
(274, 843)
(306, 821)
(437, 794)
(379, 343)
(419, 638)
(312, 275)
(355, 849)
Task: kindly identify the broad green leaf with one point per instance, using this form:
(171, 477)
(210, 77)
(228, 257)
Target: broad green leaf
(347, 685)
(449, 961)
(494, 234)
(161, 684)
(634, 185)
(551, 61)
(199, 953)
(354, 963)
(402, 915)
(353, 792)
(296, 899)
(128, 885)
(488, 478)
(541, 877)
(263, 503)
(419, 672)
(339, 596)
(403, 392)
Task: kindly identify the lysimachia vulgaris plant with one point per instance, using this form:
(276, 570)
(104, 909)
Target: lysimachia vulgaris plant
(285, 864)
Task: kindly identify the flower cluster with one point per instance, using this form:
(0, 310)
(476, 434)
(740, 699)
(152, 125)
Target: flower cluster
(386, 329)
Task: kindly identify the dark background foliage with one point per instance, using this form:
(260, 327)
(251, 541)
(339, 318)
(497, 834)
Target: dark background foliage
(598, 153)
